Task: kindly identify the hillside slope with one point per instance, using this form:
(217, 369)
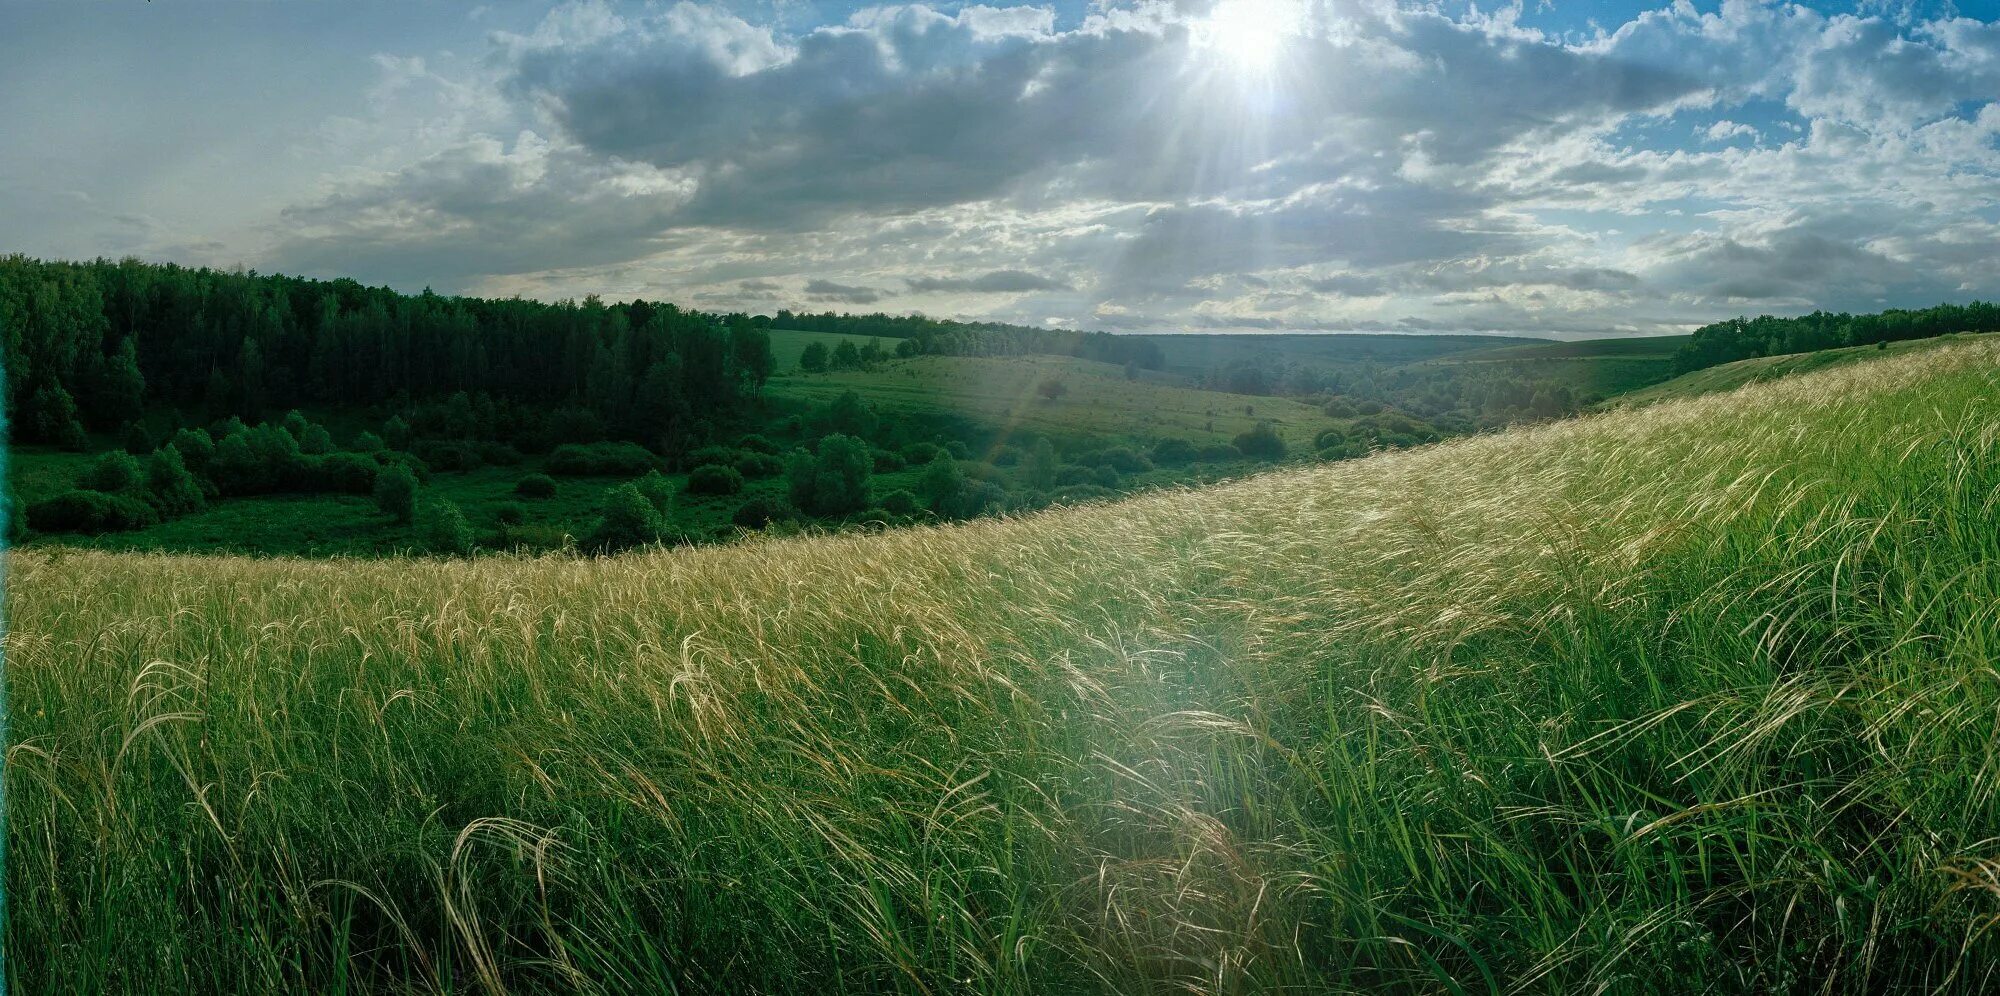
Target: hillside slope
(1730, 376)
(1099, 399)
(1702, 691)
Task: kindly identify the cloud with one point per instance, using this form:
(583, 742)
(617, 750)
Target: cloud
(827, 290)
(1726, 130)
(995, 282)
(1399, 169)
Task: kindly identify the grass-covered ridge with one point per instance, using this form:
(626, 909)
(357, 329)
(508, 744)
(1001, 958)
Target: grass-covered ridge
(1697, 692)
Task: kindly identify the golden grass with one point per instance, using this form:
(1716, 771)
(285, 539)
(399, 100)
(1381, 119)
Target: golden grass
(1700, 691)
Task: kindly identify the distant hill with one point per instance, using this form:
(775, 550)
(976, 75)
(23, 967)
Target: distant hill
(1199, 352)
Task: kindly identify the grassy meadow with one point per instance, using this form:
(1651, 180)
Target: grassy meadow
(1100, 400)
(1694, 696)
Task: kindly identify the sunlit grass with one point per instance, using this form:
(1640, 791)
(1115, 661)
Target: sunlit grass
(1700, 696)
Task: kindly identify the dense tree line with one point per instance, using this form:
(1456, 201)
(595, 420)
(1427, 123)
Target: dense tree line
(1765, 335)
(91, 345)
(992, 339)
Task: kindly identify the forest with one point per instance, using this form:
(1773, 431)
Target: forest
(1765, 335)
(173, 405)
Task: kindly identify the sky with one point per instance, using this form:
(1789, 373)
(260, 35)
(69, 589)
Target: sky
(1543, 168)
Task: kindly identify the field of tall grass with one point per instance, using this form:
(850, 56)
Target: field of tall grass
(1699, 697)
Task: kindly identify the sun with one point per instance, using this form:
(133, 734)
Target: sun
(1249, 34)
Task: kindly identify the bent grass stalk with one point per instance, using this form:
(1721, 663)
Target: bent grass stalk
(1698, 692)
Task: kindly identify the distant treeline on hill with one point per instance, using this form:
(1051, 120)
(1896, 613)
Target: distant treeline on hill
(1744, 338)
(91, 345)
(948, 338)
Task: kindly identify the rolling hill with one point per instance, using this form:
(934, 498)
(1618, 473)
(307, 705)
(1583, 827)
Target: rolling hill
(1702, 691)
(1729, 376)
(1099, 399)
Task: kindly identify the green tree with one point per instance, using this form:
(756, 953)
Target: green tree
(396, 492)
(845, 356)
(114, 387)
(941, 484)
(52, 418)
(834, 481)
(750, 348)
(813, 360)
(849, 415)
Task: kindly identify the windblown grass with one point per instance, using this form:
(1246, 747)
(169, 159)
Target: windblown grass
(1699, 696)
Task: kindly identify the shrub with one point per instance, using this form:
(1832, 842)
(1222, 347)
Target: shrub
(1069, 474)
(396, 492)
(510, 513)
(1261, 442)
(761, 511)
(600, 460)
(719, 455)
(1039, 470)
(758, 444)
(834, 481)
(627, 519)
(368, 442)
(1104, 477)
(391, 458)
(296, 424)
(138, 441)
(1118, 458)
(316, 441)
(755, 465)
(888, 461)
(1175, 452)
(1009, 456)
(658, 490)
(917, 453)
(1330, 439)
(536, 486)
(497, 454)
(114, 472)
(1220, 453)
(344, 473)
(448, 454)
(442, 528)
(171, 488)
(1051, 389)
(196, 447)
(900, 502)
(91, 512)
(711, 479)
(396, 432)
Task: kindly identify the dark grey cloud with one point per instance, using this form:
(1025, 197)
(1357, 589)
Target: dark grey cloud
(827, 290)
(994, 282)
